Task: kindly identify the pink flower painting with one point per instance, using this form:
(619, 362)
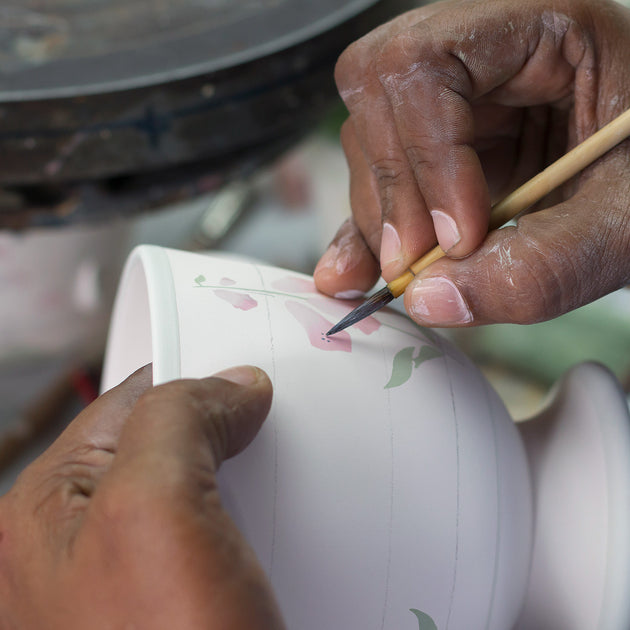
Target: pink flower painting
(316, 326)
(310, 309)
(242, 301)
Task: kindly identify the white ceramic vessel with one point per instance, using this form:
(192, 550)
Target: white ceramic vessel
(389, 488)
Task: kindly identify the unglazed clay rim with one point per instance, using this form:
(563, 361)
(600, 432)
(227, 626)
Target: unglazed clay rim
(165, 342)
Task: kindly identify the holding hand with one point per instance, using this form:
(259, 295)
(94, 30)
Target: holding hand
(454, 105)
(120, 525)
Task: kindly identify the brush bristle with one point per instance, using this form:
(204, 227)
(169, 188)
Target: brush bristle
(371, 305)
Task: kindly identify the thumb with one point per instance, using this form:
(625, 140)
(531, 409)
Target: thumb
(155, 530)
(552, 262)
(183, 427)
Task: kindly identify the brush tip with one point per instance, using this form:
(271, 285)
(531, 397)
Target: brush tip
(371, 305)
(338, 327)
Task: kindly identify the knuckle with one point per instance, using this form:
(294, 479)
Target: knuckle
(351, 57)
(396, 55)
(351, 69)
(422, 155)
(218, 429)
(388, 172)
(408, 56)
(152, 397)
(414, 63)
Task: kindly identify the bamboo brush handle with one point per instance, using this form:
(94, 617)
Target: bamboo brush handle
(535, 189)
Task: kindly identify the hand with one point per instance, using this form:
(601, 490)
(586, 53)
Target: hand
(119, 524)
(454, 105)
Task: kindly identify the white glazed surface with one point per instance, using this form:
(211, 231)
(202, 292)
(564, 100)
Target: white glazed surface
(579, 452)
(361, 501)
(364, 499)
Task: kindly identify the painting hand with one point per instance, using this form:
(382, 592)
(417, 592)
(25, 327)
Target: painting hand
(452, 106)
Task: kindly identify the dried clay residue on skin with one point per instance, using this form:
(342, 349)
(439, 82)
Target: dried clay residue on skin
(352, 94)
(557, 23)
(502, 252)
(345, 252)
(398, 83)
(520, 256)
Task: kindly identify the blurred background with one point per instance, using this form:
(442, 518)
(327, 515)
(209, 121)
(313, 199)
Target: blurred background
(194, 124)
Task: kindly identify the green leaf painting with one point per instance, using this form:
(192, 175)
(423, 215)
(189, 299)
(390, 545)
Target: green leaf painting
(425, 622)
(402, 368)
(405, 362)
(426, 353)
(427, 344)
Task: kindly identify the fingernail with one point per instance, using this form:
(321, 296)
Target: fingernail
(241, 375)
(446, 230)
(391, 248)
(351, 294)
(339, 258)
(328, 259)
(438, 301)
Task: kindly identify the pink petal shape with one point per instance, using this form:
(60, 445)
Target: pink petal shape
(340, 308)
(316, 326)
(227, 282)
(236, 299)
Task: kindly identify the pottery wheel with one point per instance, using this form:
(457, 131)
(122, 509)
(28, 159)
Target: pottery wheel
(101, 89)
(74, 47)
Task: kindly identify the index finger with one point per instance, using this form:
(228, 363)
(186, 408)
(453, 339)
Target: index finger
(438, 71)
(374, 127)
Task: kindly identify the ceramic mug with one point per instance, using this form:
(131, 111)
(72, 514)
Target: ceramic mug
(389, 488)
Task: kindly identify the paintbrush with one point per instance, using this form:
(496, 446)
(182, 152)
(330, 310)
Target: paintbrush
(504, 211)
